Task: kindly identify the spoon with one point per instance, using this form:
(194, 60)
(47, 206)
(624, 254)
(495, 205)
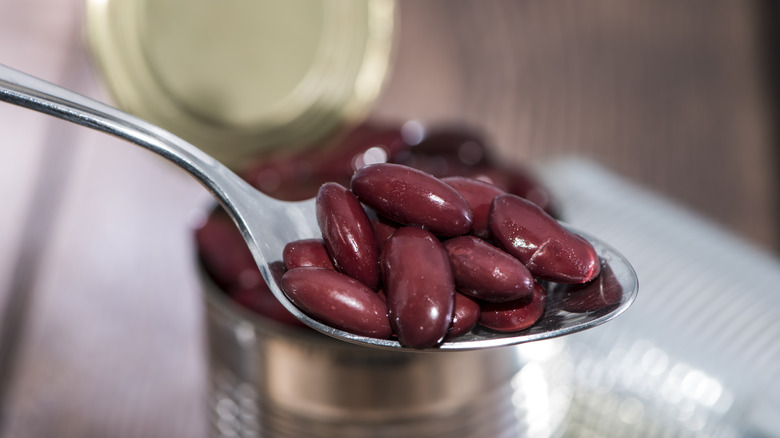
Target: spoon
(267, 224)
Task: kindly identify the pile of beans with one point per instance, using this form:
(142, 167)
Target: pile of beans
(448, 254)
(430, 240)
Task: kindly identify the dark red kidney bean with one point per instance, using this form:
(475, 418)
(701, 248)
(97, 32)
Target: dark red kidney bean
(419, 285)
(523, 183)
(490, 175)
(262, 301)
(464, 317)
(412, 197)
(224, 253)
(517, 180)
(348, 234)
(383, 229)
(337, 300)
(602, 292)
(513, 316)
(306, 252)
(546, 248)
(485, 272)
(479, 195)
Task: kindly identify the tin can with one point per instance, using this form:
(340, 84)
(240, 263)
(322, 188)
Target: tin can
(273, 380)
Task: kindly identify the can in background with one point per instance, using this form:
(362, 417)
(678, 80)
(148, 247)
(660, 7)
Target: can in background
(243, 78)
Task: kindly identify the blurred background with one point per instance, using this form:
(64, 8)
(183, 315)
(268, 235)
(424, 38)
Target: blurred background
(679, 98)
(676, 96)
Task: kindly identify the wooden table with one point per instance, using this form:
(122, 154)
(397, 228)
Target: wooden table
(95, 234)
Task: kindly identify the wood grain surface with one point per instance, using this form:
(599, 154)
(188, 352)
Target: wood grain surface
(670, 94)
(95, 234)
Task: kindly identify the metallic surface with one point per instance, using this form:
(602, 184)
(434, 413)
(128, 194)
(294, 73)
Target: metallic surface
(695, 356)
(272, 380)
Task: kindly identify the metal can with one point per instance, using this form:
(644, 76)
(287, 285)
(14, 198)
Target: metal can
(273, 380)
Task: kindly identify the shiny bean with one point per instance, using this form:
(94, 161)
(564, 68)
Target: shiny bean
(419, 285)
(518, 180)
(522, 182)
(464, 317)
(547, 249)
(337, 300)
(412, 197)
(513, 316)
(479, 195)
(383, 229)
(485, 272)
(306, 252)
(348, 234)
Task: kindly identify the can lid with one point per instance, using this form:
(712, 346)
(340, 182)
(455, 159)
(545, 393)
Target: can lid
(241, 78)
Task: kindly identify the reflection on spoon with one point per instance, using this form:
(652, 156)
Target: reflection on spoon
(603, 292)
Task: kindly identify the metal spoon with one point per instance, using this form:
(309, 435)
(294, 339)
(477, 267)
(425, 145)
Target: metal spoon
(267, 224)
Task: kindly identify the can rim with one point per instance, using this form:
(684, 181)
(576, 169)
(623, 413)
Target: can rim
(339, 90)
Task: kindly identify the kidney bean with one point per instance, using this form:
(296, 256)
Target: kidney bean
(516, 180)
(513, 316)
(547, 249)
(522, 182)
(602, 292)
(337, 300)
(306, 252)
(464, 317)
(262, 301)
(224, 253)
(383, 229)
(479, 195)
(348, 234)
(412, 197)
(485, 272)
(419, 285)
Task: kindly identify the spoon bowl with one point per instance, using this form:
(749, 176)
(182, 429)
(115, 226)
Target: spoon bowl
(268, 224)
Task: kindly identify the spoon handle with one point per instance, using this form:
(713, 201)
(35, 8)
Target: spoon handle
(27, 91)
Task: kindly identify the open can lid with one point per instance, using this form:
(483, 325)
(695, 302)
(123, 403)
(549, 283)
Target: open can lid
(244, 78)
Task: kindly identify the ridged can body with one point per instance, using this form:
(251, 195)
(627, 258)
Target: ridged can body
(270, 380)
